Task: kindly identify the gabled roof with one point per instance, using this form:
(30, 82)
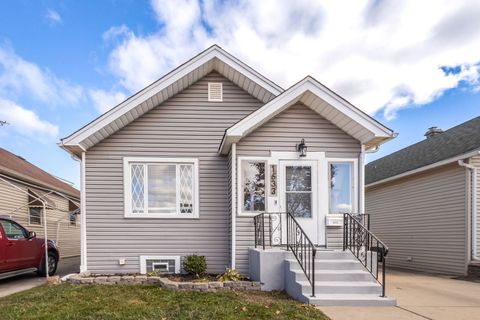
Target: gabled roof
(457, 141)
(213, 58)
(16, 167)
(325, 102)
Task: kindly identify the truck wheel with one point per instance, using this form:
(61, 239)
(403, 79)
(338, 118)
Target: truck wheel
(52, 265)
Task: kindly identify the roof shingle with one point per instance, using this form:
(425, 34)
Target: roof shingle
(17, 167)
(456, 141)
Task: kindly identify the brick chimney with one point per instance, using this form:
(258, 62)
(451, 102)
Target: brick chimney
(432, 131)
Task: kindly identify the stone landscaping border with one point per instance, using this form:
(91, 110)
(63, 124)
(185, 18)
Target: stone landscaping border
(211, 286)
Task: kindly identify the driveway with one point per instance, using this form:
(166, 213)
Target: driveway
(28, 281)
(419, 296)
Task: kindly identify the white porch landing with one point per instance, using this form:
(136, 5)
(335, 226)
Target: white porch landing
(340, 279)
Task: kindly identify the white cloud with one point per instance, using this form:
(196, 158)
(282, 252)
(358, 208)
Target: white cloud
(378, 54)
(21, 77)
(25, 122)
(105, 100)
(53, 17)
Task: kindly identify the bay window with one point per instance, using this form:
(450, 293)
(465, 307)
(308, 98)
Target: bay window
(161, 187)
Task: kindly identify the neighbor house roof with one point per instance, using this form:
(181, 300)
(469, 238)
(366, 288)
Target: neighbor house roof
(16, 167)
(457, 141)
(213, 58)
(320, 99)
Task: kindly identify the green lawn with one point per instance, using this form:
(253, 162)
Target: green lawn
(67, 301)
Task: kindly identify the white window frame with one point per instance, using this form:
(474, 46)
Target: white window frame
(30, 217)
(240, 211)
(143, 262)
(127, 180)
(354, 163)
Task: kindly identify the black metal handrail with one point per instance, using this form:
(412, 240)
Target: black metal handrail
(302, 248)
(365, 246)
(269, 233)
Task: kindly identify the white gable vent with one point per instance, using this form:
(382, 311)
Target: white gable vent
(215, 91)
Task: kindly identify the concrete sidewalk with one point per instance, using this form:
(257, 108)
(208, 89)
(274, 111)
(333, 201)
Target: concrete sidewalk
(29, 281)
(419, 297)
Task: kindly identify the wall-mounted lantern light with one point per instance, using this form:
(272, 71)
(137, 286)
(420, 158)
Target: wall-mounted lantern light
(302, 148)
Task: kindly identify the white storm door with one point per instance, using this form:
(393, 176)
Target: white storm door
(298, 194)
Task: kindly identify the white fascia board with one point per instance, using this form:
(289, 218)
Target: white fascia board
(135, 100)
(284, 100)
(425, 168)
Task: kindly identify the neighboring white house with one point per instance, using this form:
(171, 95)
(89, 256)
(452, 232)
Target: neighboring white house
(22, 185)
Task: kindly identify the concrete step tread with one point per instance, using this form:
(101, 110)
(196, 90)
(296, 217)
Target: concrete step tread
(329, 260)
(333, 271)
(341, 283)
(346, 296)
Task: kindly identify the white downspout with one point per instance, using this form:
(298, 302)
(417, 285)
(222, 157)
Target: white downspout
(83, 215)
(234, 206)
(361, 181)
(473, 172)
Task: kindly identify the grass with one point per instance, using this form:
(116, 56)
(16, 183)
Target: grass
(68, 301)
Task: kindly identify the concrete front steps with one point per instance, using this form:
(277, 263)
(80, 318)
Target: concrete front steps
(340, 280)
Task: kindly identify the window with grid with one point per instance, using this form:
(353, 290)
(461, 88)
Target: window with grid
(162, 189)
(35, 215)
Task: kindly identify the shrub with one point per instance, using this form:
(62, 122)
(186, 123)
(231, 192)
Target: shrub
(195, 264)
(231, 275)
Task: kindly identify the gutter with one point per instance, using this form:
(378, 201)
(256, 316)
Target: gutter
(473, 174)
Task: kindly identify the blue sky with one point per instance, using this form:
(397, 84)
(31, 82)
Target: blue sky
(62, 63)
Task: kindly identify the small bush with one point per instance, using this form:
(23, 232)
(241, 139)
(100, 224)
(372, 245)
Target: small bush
(195, 264)
(231, 275)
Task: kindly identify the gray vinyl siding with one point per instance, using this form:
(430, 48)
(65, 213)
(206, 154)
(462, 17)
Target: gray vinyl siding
(476, 162)
(14, 203)
(423, 217)
(282, 133)
(186, 125)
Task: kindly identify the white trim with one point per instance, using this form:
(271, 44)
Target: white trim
(425, 168)
(83, 216)
(291, 96)
(234, 203)
(143, 262)
(147, 160)
(240, 211)
(361, 189)
(214, 51)
(473, 206)
(355, 184)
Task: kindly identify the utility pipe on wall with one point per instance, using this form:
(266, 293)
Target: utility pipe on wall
(473, 172)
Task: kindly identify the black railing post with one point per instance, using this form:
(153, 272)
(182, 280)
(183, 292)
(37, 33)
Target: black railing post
(263, 230)
(314, 253)
(256, 230)
(383, 276)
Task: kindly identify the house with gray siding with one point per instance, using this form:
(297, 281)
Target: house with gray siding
(423, 201)
(212, 155)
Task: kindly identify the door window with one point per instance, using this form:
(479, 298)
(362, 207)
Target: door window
(13, 230)
(298, 190)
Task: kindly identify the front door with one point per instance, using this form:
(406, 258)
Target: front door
(298, 194)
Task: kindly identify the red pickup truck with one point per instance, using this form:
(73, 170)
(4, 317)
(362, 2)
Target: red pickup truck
(22, 252)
